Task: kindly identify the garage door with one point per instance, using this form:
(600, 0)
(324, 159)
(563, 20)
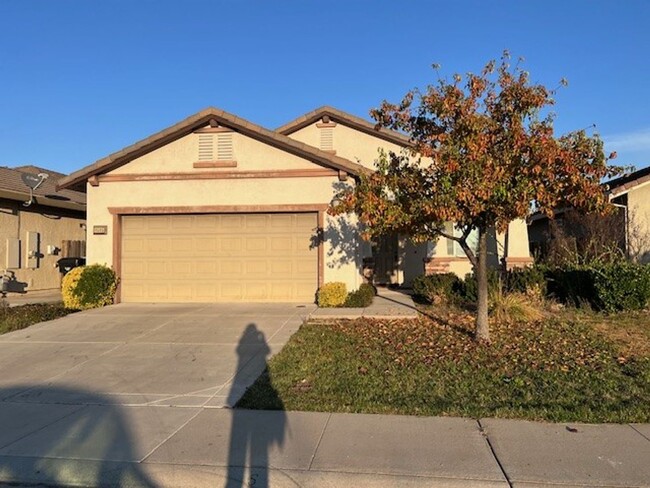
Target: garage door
(219, 258)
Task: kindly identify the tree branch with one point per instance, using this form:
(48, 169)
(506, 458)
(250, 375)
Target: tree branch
(462, 240)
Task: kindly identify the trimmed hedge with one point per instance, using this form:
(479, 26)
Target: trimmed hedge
(332, 294)
(362, 297)
(608, 287)
(90, 286)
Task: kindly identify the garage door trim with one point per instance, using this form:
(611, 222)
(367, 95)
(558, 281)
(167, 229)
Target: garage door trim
(118, 212)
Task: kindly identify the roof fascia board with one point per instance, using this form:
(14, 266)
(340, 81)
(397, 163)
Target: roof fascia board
(194, 122)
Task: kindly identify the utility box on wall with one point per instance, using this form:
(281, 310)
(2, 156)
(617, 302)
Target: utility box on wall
(12, 260)
(32, 252)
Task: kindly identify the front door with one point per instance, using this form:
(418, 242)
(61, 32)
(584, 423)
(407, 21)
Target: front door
(385, 252)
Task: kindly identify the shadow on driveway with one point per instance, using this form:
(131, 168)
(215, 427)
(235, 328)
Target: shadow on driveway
(250, 444)
(32, 433)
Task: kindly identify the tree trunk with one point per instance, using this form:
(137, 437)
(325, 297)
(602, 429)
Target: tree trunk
(482, 332)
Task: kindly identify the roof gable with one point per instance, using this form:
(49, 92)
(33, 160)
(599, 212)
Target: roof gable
(212, 116)
(346, 119)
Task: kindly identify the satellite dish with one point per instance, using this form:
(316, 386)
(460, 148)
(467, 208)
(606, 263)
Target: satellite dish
(33, 182)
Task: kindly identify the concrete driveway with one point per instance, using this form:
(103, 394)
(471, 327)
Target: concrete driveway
(146, 355)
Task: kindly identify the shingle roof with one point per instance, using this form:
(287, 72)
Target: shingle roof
(196, 121)
(346, 119)
(13, 187)
(622, 184)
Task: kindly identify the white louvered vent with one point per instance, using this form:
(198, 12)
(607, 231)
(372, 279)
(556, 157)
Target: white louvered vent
(327, 138)
(206, 147)
(224, 147)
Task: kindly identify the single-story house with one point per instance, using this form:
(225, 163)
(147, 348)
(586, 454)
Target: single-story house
(631, 194)
(38, 227)
(216, 208)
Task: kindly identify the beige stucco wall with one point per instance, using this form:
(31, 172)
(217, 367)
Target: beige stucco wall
(53, 225)
(179, 156)
(342, 260)
(638, 202)
(364, 148)
(349, 143)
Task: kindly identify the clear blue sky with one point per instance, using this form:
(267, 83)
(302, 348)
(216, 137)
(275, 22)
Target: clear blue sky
(81, 79)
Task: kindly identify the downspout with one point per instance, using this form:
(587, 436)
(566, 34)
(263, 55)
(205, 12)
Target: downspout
(625, 220)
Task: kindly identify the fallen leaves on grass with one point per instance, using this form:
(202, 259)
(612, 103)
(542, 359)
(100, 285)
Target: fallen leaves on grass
(556, 369)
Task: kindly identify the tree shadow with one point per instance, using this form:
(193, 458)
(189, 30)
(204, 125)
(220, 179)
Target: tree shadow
(250, 439)
(38, 437)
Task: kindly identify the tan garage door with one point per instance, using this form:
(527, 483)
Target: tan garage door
(219, 258)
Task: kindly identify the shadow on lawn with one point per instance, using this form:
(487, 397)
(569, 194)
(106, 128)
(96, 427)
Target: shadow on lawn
(433, 316)
(38, 435)
(253, 434)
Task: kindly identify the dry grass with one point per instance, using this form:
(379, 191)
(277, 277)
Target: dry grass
(514, 308)
(629, 332)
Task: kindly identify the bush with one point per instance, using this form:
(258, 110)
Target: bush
(362, 297)
(513, 307)
(605, 287)
(90, 286)
(332, 294)
(468, 290)
(529, 281)
(437, 288)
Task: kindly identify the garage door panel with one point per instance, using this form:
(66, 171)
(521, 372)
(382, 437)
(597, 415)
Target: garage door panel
(219, 257)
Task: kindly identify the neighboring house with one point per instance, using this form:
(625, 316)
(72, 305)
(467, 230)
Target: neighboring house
(631, 194)
(34, 236)
(216, 208)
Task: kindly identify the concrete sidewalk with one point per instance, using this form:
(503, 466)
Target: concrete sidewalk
(388, 304)
(135, 446)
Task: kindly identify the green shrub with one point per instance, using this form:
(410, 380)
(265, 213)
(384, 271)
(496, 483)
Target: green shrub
(362, 297)
(90, 286)
(525, 280)
(332, 294)
(605, 287)
(468, 290)
(436, 288)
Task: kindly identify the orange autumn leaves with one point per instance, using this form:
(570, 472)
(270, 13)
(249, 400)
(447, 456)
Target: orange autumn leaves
(484, 153)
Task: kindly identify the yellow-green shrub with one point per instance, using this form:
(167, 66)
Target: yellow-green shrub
(332, 294)
(89, 287)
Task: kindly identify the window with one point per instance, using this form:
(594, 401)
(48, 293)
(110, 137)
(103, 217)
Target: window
(453, 247)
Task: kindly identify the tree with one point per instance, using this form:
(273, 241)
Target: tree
(483, 153)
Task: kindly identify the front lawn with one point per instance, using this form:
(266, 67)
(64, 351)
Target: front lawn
(571, 367)
(15, 318)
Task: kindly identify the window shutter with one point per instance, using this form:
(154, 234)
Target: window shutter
(327, 138)
(206, 147)
(224, 147)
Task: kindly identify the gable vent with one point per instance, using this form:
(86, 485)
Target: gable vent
(206, 147)
(224, 147)
(327, 138)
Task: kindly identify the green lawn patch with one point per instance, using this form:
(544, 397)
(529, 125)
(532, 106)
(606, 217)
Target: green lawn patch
(559, 369)
(15, 318)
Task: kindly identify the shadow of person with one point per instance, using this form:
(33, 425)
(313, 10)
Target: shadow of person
(45, 431)
(252, 433)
